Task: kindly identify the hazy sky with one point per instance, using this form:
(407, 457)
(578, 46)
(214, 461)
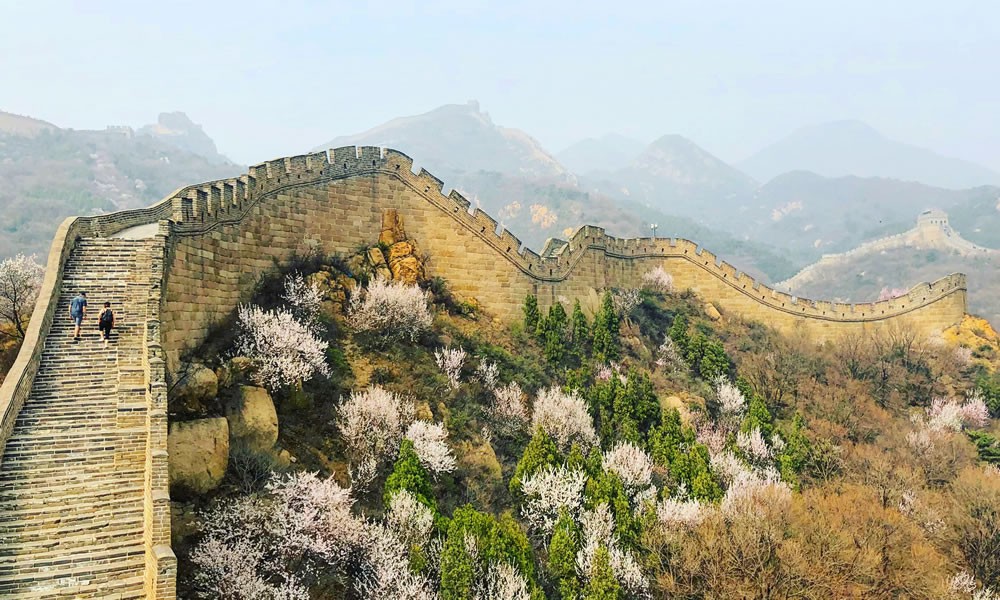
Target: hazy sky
(275, 78)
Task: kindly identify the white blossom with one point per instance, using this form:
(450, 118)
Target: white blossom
(390, 310)
(450, 361)
(502, 582)
(430, 444)
(409, 519)
(732, 404)
(564, 418)
(727, 466)
(962, 583)
(658, 280)
(625, 301)
(507, 413)
(948, 414)
(752, 492)
(754, 446)
(669, 357)
(372, 423)
(677, 514)
(262, 547)
(283, 350)
(304, 298)
(599, 530)
(631, 463)
(549, 490)
(385, 569)
(20, 280)
(488, 373)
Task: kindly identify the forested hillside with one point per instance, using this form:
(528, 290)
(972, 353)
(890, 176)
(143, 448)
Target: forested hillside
(657, 448)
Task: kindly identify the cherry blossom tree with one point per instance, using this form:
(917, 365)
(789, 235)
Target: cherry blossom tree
(410, 519)
(502, 582)
(598, 527)
(390, 311)
(732, 404)
(303, 298)
(385, 572)
(20, 280)
(507, 413)
(430, 444)
(282, 349)
(754, 446)
(675, 514)
(658, 280)
(565, 418)
(488, 373)
(752, 493)
(625, 301)
(372, 423)
(548, 491)
(632, 465)
(450, 361)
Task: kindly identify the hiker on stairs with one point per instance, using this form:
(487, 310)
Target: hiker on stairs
(106, 322)
(77, 311)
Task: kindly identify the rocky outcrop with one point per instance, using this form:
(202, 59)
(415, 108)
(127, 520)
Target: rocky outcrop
(252, 418)
(196, 387)
(199, 455)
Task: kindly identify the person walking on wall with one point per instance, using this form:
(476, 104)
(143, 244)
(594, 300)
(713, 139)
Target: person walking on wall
(77, 311)
(106, 322)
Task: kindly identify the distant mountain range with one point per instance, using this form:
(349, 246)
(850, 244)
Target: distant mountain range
(843, 148)
(48, 174)
(176, 129)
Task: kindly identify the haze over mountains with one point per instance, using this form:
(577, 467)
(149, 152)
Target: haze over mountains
(823, 189)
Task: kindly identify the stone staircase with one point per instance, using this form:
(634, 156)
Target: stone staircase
(72, 473)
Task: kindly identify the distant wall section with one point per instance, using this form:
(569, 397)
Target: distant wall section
(225, 234)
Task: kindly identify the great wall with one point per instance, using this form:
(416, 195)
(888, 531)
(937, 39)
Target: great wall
(84, 500)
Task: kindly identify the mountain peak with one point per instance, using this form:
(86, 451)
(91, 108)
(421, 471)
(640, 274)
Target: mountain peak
(25, 126)
(851, 147)
(178, 130)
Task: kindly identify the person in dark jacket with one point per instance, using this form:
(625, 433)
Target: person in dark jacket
(106, 322)
(77, 311)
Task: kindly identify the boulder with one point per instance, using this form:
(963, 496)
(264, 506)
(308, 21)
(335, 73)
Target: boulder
(196, 386)
(252, 418)
(375, 257)
(384, 273)
(408, 270)
(199, 454)
(711, 312)
(392, 228)
(400, 250)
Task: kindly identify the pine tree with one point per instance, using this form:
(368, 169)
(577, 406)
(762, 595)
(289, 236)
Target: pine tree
(602, 584)
(554, 333)
(678, 332)
(541, 451)
(605, 335)
(714, 361)
(562, 556)
(531, 313)
(408, 474)
(579, 331)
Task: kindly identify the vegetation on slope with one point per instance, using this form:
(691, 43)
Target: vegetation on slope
(664, 453)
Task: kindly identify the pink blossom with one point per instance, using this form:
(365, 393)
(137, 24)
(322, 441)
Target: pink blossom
(658, 280)
(283, 350)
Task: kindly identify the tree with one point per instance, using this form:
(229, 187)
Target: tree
(553, 330)
(430, 443)
(20, 280)
(601, 582)
(562, 556)
(372, 423)
(390, 311)
(605, 333)
(564, 417)
(531, 313)
(713, 362)
(283, 350)
(579, 331)
(541, 451)
(408, 474)
(678, 332)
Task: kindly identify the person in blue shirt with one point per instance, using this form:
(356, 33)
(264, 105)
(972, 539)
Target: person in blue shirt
(77, 311)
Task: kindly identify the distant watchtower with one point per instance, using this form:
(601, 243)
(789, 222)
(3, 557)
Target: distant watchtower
(933, 217)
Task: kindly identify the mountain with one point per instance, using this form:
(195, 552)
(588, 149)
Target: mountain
(11, 124)
(610, 152)
(812, 215)
(48, 174)
(459, 138)
(844, 148)
(176, 129)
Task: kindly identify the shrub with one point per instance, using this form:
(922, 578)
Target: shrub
(564, 417)
(390, 311)
(283, 350)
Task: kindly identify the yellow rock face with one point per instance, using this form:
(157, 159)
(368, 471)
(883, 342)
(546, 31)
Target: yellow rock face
(975, 333)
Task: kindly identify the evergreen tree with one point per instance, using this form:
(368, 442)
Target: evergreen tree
(678, 332)
(758, 417)
(605, 334)
(602, 584)
(554, 333)
(714, 361)
(541, 451)
(674, 447)
(579, 331)
(562, 556)
(531, 313)
(408, 474)
(608, 488)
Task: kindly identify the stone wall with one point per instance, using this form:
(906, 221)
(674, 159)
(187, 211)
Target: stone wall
(226, 234)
